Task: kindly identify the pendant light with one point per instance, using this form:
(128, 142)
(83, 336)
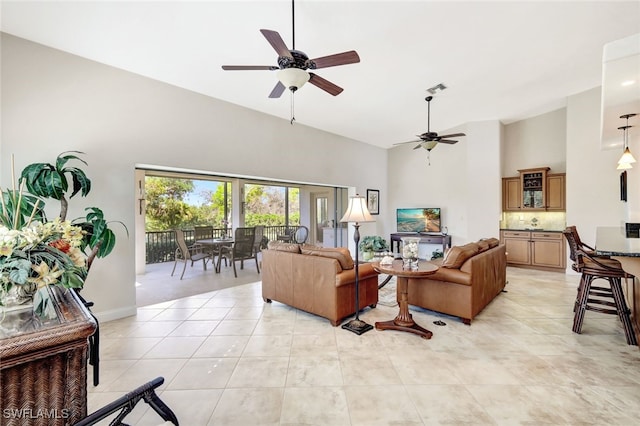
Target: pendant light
(627, 158)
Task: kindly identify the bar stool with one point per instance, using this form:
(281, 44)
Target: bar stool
(576, 245)
(594, 268)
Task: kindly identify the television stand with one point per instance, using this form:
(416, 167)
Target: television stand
(425, 238)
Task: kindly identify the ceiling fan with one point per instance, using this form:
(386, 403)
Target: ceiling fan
(429, 139)
(293, 64)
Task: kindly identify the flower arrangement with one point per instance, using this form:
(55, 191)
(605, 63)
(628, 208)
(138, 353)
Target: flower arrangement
(35, 252)
(373, 243)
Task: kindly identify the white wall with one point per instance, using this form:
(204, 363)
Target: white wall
(536, 142)
(53, 101)
(593, 195)
(463, 179)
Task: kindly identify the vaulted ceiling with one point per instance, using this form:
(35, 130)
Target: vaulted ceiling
(502, 60)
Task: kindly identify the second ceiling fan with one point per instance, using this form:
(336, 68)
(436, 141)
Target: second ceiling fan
(429, 139)
(293, 64)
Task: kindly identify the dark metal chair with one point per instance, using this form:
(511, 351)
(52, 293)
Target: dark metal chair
(242, 249)
(301, 234)
(257, 240)
(202, 232)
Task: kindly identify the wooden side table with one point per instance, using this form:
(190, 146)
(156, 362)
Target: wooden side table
(404, 321)
(43, 366)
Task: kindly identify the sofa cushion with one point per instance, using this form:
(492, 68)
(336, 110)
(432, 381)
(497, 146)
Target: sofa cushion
(484, 245)
(341, 254)
(457, 255)
(493, 242)
(283, 246)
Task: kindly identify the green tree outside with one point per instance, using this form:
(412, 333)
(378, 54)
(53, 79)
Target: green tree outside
(167, 206)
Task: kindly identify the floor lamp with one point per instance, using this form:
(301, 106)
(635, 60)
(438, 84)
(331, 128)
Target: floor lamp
(357, 212)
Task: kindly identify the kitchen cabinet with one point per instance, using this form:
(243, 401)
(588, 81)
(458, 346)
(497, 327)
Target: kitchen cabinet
(518, 245)
(535, 249)
(533, 183)
(556, 192)
(511, 194)
(534, 190)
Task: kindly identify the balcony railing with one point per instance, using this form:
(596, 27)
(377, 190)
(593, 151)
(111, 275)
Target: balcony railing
(161, 245)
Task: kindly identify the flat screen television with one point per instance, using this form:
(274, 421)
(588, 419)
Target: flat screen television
(418, 220)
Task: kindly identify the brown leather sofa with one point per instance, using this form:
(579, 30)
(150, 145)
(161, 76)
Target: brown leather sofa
(316, 280)
(469, 277)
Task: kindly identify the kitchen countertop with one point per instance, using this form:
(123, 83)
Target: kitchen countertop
(612, 241)
(530, 229)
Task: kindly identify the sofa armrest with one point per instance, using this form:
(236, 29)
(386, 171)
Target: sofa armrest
(348, 276)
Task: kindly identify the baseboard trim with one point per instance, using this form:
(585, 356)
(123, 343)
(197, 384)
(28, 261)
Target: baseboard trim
(115, 314)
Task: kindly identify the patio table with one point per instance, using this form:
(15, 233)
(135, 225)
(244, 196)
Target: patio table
(216, 245)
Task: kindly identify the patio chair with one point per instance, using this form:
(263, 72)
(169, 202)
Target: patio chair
(286, 236)
(186, 253)
(202, 232)
(257, 240)
(301, 235)
(242, 249)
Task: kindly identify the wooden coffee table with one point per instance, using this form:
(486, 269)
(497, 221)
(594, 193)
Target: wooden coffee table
(404, 321)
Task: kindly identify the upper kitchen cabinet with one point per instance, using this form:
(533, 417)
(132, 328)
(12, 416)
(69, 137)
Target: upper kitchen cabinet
(534, 184)
(555, 192)
(534, 190)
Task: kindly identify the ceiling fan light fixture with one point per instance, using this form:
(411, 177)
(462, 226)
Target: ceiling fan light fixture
(293, 78)
(429, 145)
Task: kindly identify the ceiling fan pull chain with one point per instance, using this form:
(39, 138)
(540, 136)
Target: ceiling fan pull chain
(293, 118)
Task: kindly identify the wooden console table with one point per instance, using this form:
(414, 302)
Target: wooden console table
(445, 240)
(43, 365)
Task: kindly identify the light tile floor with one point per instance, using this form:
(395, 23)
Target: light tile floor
(228, 358)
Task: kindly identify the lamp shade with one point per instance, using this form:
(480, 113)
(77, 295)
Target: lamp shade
(624, 166)
(293, 78)
(357, 211)
(626, 158)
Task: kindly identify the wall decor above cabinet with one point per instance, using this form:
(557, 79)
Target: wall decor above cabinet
(534, 190)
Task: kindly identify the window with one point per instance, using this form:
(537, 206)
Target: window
(271, 205)
(175, 202)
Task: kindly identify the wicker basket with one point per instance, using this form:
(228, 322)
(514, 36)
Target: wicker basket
(43, 373)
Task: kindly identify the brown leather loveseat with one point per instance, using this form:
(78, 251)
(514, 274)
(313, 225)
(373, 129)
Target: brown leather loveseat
(316, 280)
(469, 277)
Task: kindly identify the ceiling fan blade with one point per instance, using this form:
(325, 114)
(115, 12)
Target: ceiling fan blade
(402, 143)
(276, 42)
(249, 67)
(453, 135)
(325, 85)
(344, 58)
(449, 141)
(277, 90)
(418, 146)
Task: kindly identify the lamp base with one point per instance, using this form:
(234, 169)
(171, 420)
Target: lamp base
(357, 326)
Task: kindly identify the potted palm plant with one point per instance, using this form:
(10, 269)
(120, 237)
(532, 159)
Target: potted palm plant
(36, 252)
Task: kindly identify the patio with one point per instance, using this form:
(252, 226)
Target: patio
(157, 285)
